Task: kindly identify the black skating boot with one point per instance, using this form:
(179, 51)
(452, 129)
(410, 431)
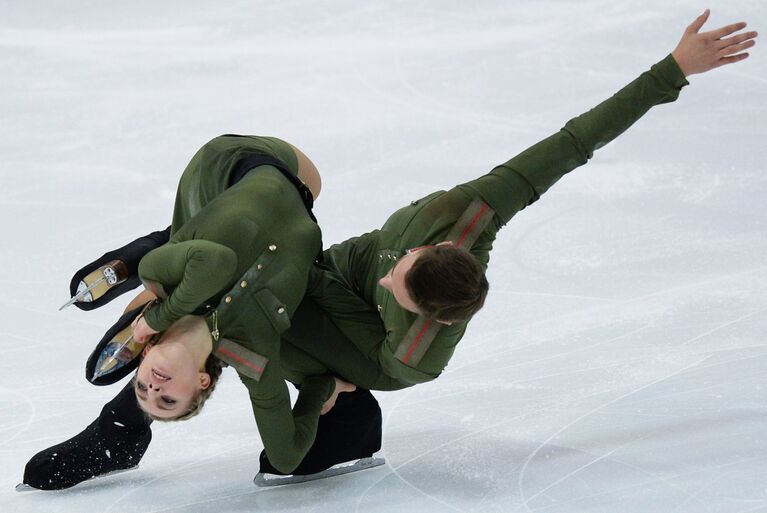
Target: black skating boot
(116, 440)
(113, 274)
(117, 354)
(348, 432)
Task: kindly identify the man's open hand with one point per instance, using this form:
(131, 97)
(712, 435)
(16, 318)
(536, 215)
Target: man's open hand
(698, 52)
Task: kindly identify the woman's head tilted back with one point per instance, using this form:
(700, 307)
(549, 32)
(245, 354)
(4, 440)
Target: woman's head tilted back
(178, 372)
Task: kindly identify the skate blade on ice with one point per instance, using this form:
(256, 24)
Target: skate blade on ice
(262, 479)
(24, 487)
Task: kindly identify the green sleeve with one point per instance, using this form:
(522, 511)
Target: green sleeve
(195, 270)
(287, 434)
(519, 182)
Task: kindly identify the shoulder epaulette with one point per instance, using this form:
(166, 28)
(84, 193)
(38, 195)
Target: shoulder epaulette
(464, 234)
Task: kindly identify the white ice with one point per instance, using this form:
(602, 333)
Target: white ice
(620, 362)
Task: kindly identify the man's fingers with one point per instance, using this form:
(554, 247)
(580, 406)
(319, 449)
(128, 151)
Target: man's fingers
(736, 48)
(726, 30)
(734, 40)
(697, 24)
(731, 59)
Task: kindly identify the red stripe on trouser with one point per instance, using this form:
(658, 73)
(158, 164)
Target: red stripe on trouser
(417, 341)
(471, 224)
(241, 360)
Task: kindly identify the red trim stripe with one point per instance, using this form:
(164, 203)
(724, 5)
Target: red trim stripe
(417, 341)
(483, 209)
(471, 225)
(241, 360)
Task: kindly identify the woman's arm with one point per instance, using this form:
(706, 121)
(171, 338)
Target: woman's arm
(287, 433)
(196, 270)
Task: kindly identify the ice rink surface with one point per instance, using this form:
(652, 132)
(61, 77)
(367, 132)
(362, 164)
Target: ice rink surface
(620, 362)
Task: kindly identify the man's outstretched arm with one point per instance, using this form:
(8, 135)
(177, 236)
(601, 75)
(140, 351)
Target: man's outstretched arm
(510, 187)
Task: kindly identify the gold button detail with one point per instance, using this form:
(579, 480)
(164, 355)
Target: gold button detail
(272, 247)
(281, 310)
(260, 266)
(243, 284)
(228, 299)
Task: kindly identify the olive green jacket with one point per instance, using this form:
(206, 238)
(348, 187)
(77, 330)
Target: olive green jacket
(241, 256)
(403, 348)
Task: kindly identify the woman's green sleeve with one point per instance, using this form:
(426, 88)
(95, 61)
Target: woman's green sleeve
(287, 433)
(194, 270)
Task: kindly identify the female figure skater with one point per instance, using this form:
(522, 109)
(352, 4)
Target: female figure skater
(241, 244)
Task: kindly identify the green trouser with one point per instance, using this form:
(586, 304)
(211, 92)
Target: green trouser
(314, 346)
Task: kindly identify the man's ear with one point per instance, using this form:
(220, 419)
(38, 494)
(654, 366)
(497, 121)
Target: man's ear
(204, 380)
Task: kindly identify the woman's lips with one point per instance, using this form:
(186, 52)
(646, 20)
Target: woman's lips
(159, 376)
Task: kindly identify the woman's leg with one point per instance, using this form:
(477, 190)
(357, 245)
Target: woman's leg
(308, 173)
(130, 255)
(116, 440)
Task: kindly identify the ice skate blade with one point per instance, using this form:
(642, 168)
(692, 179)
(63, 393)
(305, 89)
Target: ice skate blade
(24, 487)
(263, 480)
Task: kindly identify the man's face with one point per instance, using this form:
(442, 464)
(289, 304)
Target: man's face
(394, 282)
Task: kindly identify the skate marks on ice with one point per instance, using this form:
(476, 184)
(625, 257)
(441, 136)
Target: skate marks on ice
(645, 469)
(194, 469)
(526, 500)
(22, 406)
(699, 363)
(715, 423)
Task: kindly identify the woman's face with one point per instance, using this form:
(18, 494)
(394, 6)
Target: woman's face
(168, 379)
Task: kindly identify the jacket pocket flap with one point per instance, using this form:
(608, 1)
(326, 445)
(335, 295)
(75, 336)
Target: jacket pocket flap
(275, 310)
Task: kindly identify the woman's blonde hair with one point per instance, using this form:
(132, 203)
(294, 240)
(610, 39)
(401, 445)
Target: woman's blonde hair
(184, 326)
(213, 367)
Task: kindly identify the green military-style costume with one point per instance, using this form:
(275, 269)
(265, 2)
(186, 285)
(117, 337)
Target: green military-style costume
(347, 324)
(241, 255)
(355, 327)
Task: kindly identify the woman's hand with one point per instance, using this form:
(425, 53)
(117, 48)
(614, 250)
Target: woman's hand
(142, 332)
(700, 52)
(341, 386)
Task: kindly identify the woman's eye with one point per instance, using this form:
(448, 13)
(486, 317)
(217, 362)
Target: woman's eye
(141, 386)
